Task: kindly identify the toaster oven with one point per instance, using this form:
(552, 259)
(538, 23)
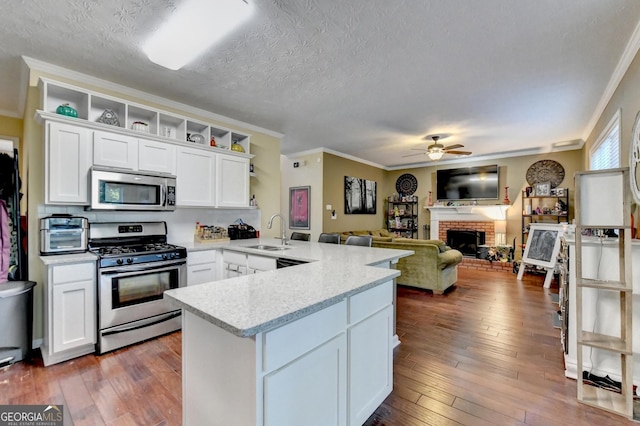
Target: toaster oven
(61, 234)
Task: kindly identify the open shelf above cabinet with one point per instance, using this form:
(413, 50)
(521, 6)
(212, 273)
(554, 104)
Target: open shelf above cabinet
(157, 123)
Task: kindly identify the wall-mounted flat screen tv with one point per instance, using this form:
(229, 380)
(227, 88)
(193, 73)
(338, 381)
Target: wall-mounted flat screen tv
(467, 183)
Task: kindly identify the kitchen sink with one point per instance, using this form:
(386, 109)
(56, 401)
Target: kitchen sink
(268, 248)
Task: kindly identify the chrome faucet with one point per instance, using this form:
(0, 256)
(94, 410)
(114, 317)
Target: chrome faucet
(282, 227)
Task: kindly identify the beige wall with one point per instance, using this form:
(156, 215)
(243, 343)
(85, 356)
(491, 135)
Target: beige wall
(512, 174)
(266, 184)
(11, 127)
(334, 170)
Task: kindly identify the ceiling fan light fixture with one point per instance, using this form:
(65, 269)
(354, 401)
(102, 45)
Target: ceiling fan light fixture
(192, 29)
(435, 154)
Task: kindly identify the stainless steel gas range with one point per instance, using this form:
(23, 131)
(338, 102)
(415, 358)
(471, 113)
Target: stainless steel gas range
(135, 267)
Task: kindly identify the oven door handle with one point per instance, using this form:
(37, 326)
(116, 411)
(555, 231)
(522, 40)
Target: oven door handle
(142, 323)
(124, 271)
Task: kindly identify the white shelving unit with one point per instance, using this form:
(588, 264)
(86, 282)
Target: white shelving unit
(162, 124)
(594, 191)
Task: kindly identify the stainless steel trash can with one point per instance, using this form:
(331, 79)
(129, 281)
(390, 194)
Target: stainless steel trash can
(16, 317)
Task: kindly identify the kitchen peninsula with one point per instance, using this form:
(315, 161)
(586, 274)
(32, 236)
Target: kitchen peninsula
(309, 344)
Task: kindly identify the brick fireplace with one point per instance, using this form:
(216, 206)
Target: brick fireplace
(477, 218)
(474, 218)
(487, 227)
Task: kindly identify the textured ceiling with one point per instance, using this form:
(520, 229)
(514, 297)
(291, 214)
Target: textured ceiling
(365, 78)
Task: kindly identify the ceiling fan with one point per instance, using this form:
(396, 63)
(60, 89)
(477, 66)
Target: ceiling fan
(436, 150)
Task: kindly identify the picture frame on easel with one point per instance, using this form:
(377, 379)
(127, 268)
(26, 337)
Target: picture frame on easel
(541, 249)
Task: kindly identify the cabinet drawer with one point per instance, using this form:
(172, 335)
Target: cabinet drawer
(200, 257)
(199, 274)
(261, 263)
(370, 301)
(234, 258)
(73, 273)
(290, 341)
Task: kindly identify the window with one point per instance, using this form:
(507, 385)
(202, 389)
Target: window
(605, 153)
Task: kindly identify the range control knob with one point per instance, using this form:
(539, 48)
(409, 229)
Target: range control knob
(164, 256)
(119, 261)
(129, 260)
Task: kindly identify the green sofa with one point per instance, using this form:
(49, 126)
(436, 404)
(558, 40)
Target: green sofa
(434, 266)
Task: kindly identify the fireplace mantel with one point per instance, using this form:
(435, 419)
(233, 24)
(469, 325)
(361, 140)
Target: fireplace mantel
(477, 213)
(471, 213)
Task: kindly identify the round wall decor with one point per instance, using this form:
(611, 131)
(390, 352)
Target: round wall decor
(407, 184)
(545, 171)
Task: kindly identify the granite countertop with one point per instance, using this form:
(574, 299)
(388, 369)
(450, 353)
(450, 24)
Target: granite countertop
(54, 259)
(251, 304)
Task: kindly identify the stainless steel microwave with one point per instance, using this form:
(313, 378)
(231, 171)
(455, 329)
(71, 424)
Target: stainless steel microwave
(128, 190)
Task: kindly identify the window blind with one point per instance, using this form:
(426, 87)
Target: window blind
(606, 152)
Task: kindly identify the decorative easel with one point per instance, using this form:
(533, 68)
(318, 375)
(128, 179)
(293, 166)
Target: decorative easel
(542, 250)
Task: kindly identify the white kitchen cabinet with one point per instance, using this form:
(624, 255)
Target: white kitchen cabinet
(232, 181)
(156, 157)
(257, 263)
(370, 364)
(201, 267)
(115, 150)
(67, 162)
(237, 264)
(371, 351)
(332, 367)
(297, 373)
(70, 311)
(195, 171)
(287, 396)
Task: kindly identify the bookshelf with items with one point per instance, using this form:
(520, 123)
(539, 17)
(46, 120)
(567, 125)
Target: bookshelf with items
(548, 208)
(402, 216)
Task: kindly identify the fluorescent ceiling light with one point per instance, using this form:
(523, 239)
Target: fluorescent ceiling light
(192, 29)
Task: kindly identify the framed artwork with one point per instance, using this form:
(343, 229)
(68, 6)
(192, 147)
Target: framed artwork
(543, 189)
(299, 206)
(542, 246)
(360, 196)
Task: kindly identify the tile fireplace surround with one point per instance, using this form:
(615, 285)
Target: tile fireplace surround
(475, 218)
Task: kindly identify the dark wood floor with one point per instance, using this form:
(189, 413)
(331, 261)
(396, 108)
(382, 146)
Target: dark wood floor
(483, 354)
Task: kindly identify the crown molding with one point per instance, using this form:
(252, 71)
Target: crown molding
(629, 53)
(35, 64)
(521, 153)
(337, 154)
(569, 146)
